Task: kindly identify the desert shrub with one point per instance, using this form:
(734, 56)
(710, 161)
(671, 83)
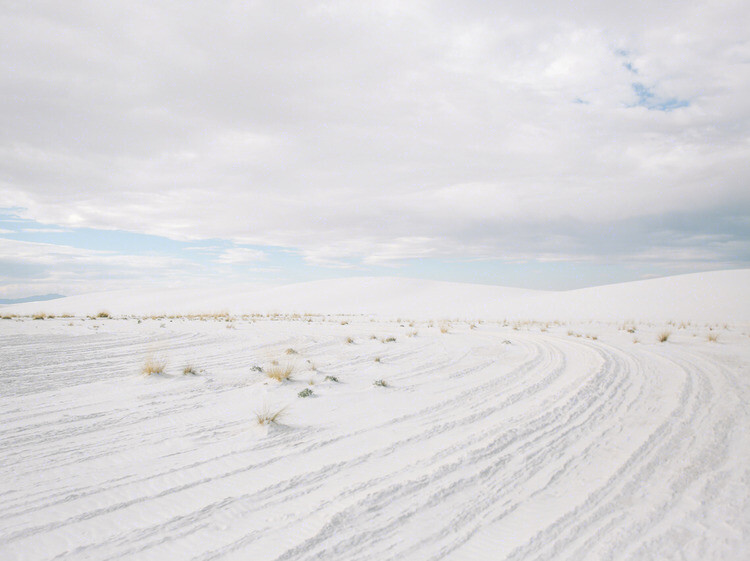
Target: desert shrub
(331, 379)
(39, 316)
(377, 359)
(279, 372)
(713, 337)
(307, 392)
(444, 327)
(190, 370)
(349, 340)
(267, 415)
(380, 383)
(103, 314)
(389, 340)
(154, 365)
(663, 337)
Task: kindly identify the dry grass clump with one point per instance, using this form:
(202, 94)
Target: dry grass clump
(291, 352)
(389, 340)
(267, 415)
(713, 337)
(444, 327)
(663, 337)
(279, 372)
(103, 314)
(377, 359)
(190, 370)
(380, 383)
(39, 316)
(154, 365)
(349, 340)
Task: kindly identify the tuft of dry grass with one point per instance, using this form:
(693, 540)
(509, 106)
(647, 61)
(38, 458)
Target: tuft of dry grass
(377, 359)
(103, 314)
(268, 415)
(663, 337)
(712, 337)
(279, 372)
(444, 327)
(154, 365)
(39, 316)
(349, 341)
(190, 370)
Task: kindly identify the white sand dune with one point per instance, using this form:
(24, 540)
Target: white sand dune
(492, 441)
(714, 296)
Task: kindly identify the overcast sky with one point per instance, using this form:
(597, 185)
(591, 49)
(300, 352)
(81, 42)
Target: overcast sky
(542, 144)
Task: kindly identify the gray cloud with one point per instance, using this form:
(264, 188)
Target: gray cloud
(389, 131)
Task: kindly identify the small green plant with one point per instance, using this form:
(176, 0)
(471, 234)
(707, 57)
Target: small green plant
(257, 368)
(307, 392)
(331, 379)
(380, 383)
(154, 365)
(663, 337)
(389, 340)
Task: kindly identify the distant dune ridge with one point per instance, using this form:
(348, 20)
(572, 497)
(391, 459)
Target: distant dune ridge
(708, 296)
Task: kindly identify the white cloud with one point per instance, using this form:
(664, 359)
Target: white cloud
(375, 133)
(236, 255)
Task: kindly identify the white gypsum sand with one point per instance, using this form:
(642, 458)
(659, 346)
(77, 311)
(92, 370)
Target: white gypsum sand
(566, 431)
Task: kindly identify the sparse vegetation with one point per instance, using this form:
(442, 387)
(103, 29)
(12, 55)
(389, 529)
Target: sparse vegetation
(39, 316)
(190, 370)
(291, 352)
(103, 314)
(663, 337)
(279, 372)
(307, 392)
(713, 337)
(444, 327)
(154, 365)
(269, 416)
(389, 340)
(377, 359)
(349, 340)
(380, 383)
(331, 379)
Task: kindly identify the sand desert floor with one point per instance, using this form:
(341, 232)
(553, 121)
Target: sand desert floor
(493, 441)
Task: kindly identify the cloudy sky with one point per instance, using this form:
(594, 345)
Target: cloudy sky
(540, 144)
